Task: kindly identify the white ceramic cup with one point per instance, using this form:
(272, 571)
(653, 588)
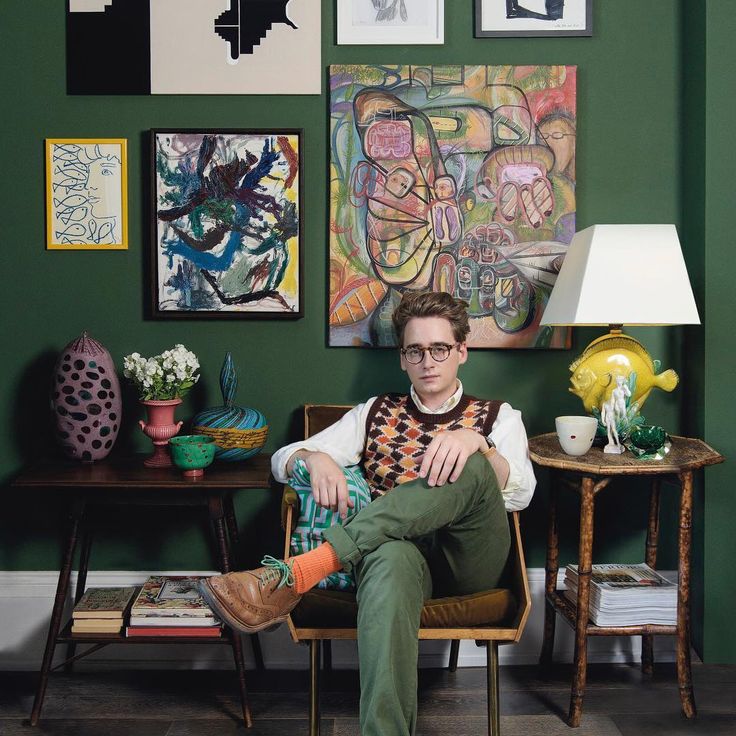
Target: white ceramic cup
(576, 434)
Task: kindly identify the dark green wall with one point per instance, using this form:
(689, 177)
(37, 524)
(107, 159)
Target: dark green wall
(720, 344)
(630, 158)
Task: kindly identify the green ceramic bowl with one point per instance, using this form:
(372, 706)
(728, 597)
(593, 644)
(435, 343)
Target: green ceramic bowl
(192, 453)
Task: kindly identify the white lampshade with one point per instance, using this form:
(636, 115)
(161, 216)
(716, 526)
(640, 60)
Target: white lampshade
(623, 275)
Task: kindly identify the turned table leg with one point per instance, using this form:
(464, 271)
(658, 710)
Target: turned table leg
(585, 566)
(217, 516)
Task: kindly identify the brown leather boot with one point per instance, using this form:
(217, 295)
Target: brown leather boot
(252, 600)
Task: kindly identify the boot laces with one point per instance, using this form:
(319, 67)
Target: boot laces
(277, 570)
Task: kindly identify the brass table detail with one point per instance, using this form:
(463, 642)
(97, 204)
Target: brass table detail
(589, 475)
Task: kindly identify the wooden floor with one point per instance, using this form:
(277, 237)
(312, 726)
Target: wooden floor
(618, 702)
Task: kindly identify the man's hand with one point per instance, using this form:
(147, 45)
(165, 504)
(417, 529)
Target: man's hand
(329, 487)
(447, 454)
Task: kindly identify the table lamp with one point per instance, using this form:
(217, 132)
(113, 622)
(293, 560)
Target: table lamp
(616, 275)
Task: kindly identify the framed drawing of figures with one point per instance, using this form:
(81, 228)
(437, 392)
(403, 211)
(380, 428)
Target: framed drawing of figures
(533, 18)
(399, 22)
(86, 194)
(227, 230)
(450, 178)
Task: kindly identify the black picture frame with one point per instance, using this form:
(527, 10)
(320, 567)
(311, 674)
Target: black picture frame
(189, 251)
(530, 33)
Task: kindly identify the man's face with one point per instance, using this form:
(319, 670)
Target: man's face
(433, 381)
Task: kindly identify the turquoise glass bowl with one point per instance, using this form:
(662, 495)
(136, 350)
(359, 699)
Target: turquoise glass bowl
(192, 453)
(648, 437)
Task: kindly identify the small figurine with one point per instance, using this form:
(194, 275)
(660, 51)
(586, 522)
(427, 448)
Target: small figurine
(612, 411)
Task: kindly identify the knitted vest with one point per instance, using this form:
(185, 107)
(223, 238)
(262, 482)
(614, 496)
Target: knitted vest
(397, 433)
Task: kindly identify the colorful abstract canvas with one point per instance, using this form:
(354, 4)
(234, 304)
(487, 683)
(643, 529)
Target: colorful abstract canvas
(450, 178)
(86, 194)
(193, 47)
(227, 223)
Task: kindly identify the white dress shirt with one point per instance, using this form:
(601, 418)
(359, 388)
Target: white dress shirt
(344, 442)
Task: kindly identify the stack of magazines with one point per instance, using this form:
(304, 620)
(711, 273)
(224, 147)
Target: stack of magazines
(626, 595)
(170, 605)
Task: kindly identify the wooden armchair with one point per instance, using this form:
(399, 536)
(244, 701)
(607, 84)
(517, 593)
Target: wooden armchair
(490, 618)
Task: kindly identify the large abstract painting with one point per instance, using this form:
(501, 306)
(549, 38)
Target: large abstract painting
(86, 194)
(193, 47)
(227, 223)
(450, 178)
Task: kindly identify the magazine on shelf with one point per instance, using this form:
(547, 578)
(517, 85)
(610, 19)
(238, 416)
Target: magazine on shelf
(103, 603)
(626, 595)
(171, 595)
(174, 621)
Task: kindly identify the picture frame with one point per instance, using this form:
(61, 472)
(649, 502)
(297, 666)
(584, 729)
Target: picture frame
(227, 229)
(86, 193)
(399, 22)
(532, 18)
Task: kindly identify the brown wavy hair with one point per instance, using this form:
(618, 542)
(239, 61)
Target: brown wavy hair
(432, 304)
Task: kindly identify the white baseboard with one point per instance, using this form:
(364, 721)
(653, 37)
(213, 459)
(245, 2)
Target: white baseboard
(26, 600)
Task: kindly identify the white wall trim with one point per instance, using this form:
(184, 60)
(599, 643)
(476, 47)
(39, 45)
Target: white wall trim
(26, 600)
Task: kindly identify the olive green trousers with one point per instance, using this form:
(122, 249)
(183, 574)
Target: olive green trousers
(414, 543)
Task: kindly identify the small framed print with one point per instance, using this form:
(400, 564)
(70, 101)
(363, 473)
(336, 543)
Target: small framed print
(495, 18)
(227, 224)
(86, 194)
(382, 22)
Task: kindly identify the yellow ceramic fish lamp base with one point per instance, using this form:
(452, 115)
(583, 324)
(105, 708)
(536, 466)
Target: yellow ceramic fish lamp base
(614, 275)
(613, 378)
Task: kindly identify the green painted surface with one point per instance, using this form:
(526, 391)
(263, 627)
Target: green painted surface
(720, 342)
(630, 161)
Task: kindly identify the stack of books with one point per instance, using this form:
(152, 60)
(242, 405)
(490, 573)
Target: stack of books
(101, 610)
(170, 605)
(626, 595)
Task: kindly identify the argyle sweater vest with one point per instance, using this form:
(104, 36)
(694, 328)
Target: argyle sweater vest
(397, 434)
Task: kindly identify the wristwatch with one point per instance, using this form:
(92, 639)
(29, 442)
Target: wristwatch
(491, 451)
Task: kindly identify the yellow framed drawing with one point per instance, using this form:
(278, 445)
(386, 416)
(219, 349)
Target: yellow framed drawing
(86, 194)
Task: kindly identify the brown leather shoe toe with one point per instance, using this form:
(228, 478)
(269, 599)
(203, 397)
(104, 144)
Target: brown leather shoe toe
(252, 600)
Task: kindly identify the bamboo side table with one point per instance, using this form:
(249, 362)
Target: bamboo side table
(588, 475)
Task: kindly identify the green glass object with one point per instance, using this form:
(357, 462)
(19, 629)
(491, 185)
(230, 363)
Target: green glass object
(649, 442)
(192, 453)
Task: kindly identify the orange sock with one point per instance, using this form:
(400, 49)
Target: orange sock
(313, 566)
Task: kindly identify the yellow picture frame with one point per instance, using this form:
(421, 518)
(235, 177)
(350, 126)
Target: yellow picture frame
(86, 193)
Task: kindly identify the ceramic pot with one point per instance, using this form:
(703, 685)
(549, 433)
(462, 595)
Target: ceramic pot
(86, 400)
(160, 427)
(192, 453)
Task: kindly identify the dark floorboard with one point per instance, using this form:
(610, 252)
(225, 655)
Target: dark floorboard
(619, 701)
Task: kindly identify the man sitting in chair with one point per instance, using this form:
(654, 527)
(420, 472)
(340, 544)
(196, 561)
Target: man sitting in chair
(443, 468)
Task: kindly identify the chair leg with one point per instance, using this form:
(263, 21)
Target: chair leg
(494, 717)
(454, 652)
(314, 663)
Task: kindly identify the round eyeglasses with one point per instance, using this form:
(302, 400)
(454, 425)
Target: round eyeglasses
(439, 351)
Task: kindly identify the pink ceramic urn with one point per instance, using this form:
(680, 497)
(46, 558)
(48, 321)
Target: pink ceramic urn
(86, 400)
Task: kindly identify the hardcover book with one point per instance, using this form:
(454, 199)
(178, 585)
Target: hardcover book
(170, 595)
(211, 632)
(103, 603)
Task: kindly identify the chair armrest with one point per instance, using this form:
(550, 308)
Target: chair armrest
(289, 516)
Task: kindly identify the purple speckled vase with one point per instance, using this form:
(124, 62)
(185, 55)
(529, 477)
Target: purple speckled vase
(86, 400)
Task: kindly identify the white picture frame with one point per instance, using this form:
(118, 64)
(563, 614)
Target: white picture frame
(533, 18)
(390, 22)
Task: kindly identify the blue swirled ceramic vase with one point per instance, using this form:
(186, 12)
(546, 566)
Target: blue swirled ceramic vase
(239, 432)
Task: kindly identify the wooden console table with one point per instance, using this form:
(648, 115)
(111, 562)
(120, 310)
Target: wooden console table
(589, 475)
(126, 481)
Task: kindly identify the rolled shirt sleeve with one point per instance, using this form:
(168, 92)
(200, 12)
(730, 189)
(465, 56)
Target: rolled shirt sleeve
(343, 441)
(509, 436)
